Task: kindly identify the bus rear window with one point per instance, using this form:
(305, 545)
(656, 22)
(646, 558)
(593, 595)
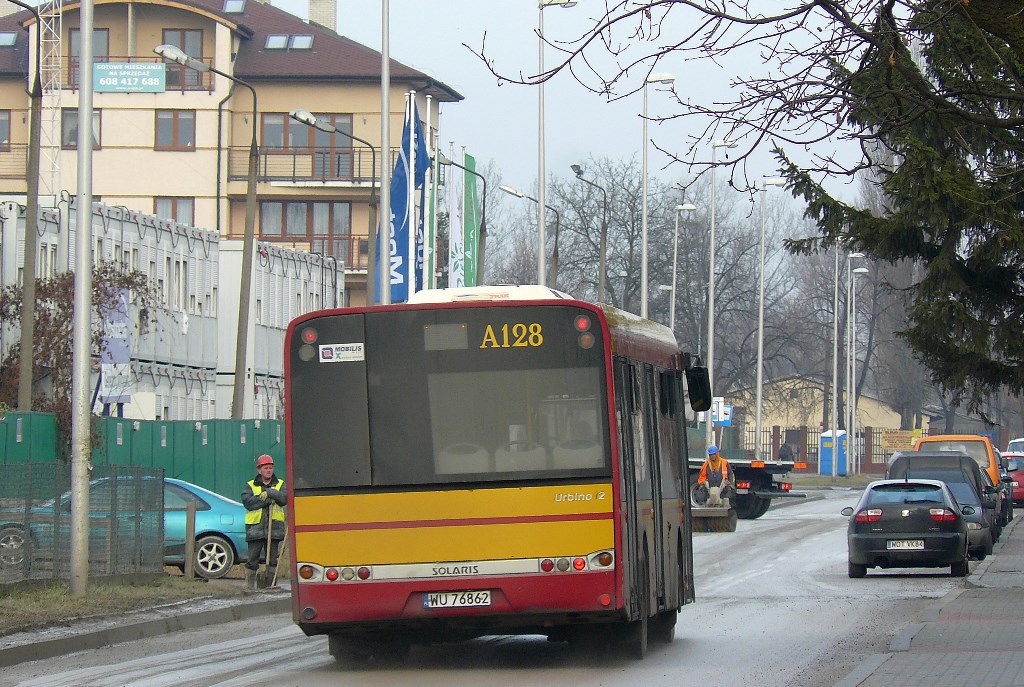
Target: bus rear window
(450, 396)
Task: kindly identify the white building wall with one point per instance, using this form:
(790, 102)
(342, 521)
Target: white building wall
(183, 363)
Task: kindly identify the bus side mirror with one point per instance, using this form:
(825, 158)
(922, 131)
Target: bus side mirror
(698, 383)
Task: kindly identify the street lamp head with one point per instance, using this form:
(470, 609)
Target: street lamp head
(686, 207)
(664, 287)
(774, 181)
(512, 192)
(557, 3)
(443, 159)
(860, 270)
(310, 119)
(659, 77)
(724, 144)
(855, 255)
(176, 54)
(577, 169)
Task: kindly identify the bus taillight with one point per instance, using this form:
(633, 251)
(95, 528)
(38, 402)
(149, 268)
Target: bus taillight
(331, 574)
(306, 572)
(309, 335)
(604, 559)
(582, 323)
(579, 563)
(363, 573)
(547, 565)
(785, 486)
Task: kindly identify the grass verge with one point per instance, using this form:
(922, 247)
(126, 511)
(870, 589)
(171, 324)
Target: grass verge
(33, 607)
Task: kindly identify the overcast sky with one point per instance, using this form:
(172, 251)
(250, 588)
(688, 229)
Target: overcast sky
(499, 122)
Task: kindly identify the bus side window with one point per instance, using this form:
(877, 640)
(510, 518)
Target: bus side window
(634, 390)
(667, 400)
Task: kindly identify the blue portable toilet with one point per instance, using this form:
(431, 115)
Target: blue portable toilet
(825, 453)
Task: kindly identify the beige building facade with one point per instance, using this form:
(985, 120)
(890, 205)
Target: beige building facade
(182, 153)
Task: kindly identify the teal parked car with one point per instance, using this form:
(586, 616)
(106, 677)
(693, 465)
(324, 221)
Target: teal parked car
(220, 526)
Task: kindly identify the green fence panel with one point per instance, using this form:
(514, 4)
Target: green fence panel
(162, 443)
(142, 444)
(29, 437)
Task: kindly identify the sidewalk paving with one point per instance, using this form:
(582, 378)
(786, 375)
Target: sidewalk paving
(972, 636)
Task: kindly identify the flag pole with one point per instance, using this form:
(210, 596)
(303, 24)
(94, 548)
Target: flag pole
(410, 206)
(428, 229)
(383, 237)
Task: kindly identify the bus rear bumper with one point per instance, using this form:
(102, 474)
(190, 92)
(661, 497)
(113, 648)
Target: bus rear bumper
(527, 604)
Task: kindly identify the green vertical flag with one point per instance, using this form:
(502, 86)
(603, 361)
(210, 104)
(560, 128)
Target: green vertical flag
(471, 219)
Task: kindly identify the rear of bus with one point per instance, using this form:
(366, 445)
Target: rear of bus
(450, 470)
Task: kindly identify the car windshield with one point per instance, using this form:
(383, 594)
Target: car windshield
(1015, 464)
(1015, 445)
(905, 492)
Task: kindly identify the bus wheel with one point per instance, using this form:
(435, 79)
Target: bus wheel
(357, 653)
(663, 629)
(638, 631)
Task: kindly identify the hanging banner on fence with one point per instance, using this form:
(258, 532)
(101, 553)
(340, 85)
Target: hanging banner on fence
(115, 354)
(899, 439)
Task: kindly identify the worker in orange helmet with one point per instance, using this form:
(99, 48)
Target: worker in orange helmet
(264, 500)
(714, 473)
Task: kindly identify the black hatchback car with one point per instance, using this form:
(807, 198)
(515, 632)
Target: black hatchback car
(907, 524)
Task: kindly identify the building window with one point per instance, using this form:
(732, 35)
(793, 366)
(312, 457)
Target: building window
(100, 45)
(300, 42)
(8, 39)
(327, 226)
(234, 6)
(5, 129)
(181, 210)
(69, 128)
(276, 41)
(175, 130)
(189, 41)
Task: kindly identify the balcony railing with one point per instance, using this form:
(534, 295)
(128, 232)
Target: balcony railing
(353, 165)
(13, 159)
(179, 78)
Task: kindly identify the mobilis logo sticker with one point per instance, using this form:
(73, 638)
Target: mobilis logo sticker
(341, 353)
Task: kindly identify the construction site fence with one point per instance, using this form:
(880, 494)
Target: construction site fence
(219, 455)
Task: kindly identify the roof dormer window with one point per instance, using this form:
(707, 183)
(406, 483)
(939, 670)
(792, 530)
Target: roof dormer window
(234, 6)
(8, 39)
(277, 41)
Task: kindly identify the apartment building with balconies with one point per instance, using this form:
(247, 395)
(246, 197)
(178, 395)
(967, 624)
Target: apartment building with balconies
(181, 151)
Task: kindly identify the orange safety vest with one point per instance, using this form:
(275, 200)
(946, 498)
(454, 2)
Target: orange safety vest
(722, 473)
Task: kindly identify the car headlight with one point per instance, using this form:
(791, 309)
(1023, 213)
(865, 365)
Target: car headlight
(974, 526)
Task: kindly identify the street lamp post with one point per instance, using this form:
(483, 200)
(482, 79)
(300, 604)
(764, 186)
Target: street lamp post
(760, 325)
(651, 78)
(175, 54)
(851, 402)
(554, 262)
(709, 429)
(602, 262)
(28, 288)
(541, 184)
(308, 118)
(685, 207)
(482, 252)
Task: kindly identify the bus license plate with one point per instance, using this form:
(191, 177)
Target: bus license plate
(456, 599)
(906, 544)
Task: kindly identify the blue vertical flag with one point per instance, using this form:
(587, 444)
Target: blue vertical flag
(402, 214)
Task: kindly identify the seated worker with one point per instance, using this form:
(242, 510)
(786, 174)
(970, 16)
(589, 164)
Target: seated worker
(714, 473)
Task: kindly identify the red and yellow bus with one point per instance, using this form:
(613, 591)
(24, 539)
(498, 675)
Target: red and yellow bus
(489, 460)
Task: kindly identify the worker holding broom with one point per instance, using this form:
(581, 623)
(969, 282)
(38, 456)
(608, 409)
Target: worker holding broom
(264, 500)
